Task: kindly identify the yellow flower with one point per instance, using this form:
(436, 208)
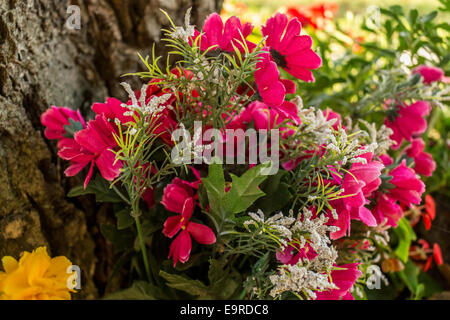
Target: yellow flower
(35, 276)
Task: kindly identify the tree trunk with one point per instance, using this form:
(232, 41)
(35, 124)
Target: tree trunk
(44, 63)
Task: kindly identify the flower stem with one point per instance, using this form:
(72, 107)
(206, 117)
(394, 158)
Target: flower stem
(142, 244)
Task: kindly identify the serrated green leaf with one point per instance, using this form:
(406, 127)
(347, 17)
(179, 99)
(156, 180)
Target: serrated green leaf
(215, 187)
(242, 194)
(245, 189)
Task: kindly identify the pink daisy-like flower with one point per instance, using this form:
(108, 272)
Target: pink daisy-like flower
(423, 161)
(387, 209)
(358, 185)
(92, 145)
(56, 119)
(289, 49)
(267, 79)
(112, 109)
(429, 74)
(407, 121)
(224, 37)
(344, 281)
(408, 187)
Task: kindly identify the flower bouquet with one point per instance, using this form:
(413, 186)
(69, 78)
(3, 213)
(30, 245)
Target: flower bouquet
(225, 185)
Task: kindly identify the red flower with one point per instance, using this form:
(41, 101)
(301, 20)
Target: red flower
(289, 49)
(314, 15)
(437, 254)
(407, 121)
(423, 256)
(56, 118)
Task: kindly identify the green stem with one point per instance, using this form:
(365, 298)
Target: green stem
(142, 244)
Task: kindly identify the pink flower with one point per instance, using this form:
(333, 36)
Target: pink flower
(291, 254)
(408, 187)
(112, 109)
(178, 197)
(407, 121)
(429, 74)
(56, 118)
(180, 248)
(330, 114)
(344, 280)
(423, 161)
(215, 33)
(386, 208)
(266, 117)
(386, 159)
(362, 180)
(92, 145)
(289, 49)
(267, 76)
(358, 185)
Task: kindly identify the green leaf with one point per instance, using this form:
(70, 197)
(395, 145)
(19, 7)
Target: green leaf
(277, 193)
(431, 286)
(413, 14)
(100, 187)
(124, 218)
(215, 186)
(193, 287)
(242, 194)
(140, 290)
(222, 282)
(409, 275)
(245, 189)
(428, 17)
(405, 235)
(121, 239)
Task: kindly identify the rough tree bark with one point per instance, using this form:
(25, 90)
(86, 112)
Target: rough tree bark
(44, 63)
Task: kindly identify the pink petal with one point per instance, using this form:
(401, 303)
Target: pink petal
(188, 208)
(201, 233)
(108, 166)
(172, 226)
(180, 248)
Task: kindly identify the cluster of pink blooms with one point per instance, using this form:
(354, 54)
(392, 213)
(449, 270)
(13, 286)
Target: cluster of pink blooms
(364, 198)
